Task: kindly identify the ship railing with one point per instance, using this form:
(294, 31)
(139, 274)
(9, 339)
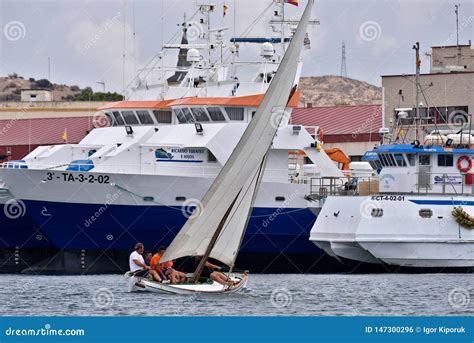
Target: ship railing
(442, 183)
(322, 187)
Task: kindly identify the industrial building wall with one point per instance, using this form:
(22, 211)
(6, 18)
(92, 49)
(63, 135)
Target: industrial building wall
(452, 89)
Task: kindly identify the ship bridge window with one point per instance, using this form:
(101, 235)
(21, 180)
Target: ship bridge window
(187, 114)
(411, 159)
(210, 157)
(391, 160)
(400, 160)
(235, 113)
(144, 117)
(424, 160)
(216, 114)
(162, 117)
(200, 114)
(118, 119)
(383, 160)
(179, 114)
(376, 164)
(445, 160)
(387, 160)
(110, 119)
(129, 117)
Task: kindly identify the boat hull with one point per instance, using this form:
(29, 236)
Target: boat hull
(423, 254)
(398, 230)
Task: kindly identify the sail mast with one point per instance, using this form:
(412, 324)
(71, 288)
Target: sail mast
(229, 194)
(212, 243)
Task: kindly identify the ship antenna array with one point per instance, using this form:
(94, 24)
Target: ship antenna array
(456, 11)
(157, 58)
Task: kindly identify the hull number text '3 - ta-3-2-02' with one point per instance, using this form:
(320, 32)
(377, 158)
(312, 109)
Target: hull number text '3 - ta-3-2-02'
(70, 177)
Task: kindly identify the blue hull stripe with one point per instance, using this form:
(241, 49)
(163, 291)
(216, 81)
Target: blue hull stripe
(75, 226)
(443, 202)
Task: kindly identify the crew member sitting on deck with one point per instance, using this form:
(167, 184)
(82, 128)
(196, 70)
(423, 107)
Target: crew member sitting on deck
(211, 271)
(147, 255)
(138, 265)
(165, 269)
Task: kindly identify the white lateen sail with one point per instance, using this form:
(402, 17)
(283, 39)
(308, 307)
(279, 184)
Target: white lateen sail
(231, 195)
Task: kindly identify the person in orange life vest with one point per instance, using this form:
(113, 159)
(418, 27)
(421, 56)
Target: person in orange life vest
(166, 268)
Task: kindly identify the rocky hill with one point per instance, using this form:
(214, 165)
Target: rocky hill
(319, 91)
(335, 90)
(11, 86)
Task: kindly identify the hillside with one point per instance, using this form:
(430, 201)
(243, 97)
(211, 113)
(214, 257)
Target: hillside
(335, 90)
(11, 86)
(320, 91)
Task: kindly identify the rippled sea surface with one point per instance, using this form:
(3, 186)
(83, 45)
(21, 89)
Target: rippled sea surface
(274, 295)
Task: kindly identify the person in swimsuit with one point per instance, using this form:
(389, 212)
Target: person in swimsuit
(212, 271)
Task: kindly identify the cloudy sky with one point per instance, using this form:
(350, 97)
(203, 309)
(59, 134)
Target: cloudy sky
(84, 39)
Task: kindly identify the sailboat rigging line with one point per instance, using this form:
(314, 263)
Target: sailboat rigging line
(142, 197)
(175, 207)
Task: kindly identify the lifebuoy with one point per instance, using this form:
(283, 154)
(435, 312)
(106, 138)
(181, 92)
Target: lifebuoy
(464, 169)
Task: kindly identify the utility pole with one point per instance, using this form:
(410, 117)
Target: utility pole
(343, 60)
(416, 47)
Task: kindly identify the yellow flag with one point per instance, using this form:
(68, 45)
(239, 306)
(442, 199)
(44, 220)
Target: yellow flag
(64, 135)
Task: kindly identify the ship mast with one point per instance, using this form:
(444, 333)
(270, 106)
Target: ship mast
(416, 47)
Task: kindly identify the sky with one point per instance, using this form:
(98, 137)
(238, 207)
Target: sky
(85, 40)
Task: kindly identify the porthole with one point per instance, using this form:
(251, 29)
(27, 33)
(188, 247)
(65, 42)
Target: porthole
(426, 213)
(180, 198)
(377, 212)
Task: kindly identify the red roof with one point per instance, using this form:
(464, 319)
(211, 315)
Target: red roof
(44, 131)
(340, 120)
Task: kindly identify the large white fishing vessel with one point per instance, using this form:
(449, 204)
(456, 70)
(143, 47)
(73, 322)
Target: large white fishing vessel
(140, 177)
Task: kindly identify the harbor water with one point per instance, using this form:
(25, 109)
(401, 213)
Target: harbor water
(274, 295)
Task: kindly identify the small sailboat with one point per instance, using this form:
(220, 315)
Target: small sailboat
(217, 231)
